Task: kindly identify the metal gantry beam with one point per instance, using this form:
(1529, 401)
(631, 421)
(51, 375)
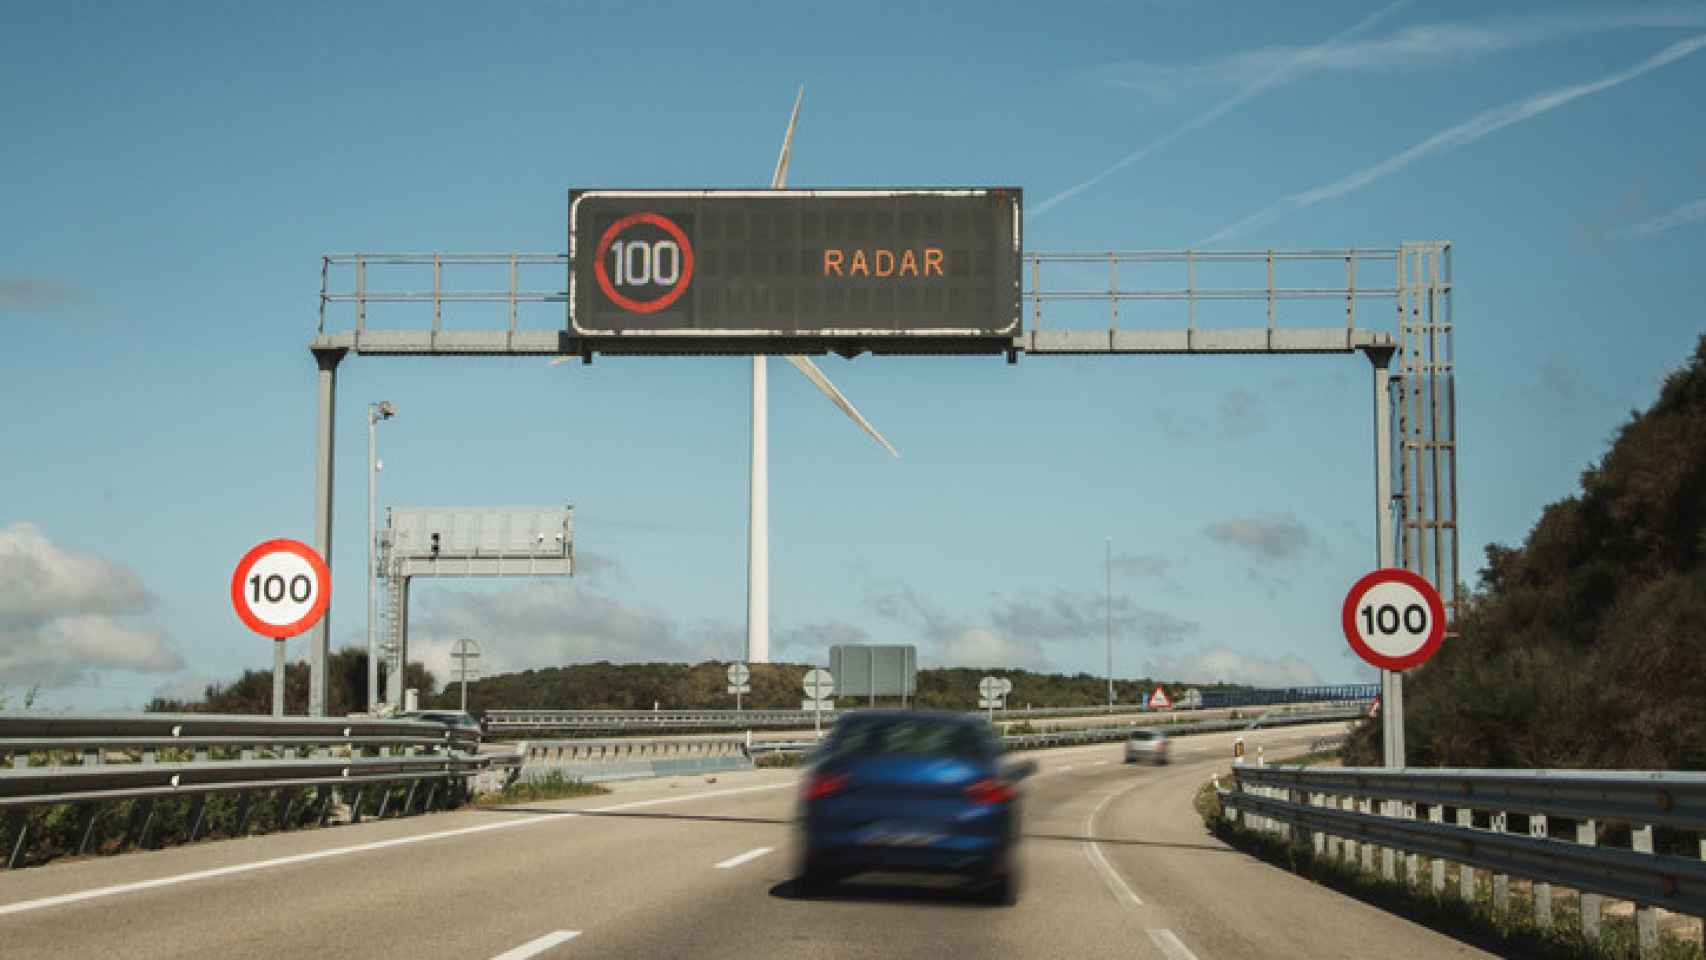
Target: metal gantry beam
(1168, 297)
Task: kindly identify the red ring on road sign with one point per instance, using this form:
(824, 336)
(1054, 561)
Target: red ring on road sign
(1436, 610)
(322, 573)
(644, 306)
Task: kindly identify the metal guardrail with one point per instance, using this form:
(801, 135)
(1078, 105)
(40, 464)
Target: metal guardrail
(1349, 813)
(88, 760)
(501, 721)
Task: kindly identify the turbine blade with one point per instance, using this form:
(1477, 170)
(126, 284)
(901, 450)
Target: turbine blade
(780, 179)
(812, 373)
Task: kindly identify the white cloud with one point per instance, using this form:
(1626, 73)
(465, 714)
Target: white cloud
(549, 624)
(1265, 78)
(1225, 665)
(983, 647)
(1680, 217)
(58, 611)
(1241, 415)
(1267, 539)
(1459, 135)
(1421, 46)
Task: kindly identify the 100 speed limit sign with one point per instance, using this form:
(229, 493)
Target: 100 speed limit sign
(1394, 619)
(281, 588)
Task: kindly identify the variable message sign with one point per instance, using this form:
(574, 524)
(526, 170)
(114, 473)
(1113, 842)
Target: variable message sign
(797, 271)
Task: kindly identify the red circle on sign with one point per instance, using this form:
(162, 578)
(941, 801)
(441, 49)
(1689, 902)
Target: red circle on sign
(1436, 611)
(644, 306)
(322, 599)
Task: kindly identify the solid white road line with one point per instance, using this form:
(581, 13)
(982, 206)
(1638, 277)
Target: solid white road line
(540, 945)
(1110, 876)
(733, 862)
(24, 906)
(1099, 763)
(1065, 768)
(1171, 946)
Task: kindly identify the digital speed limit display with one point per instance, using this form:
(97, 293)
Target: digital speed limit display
(855, 269)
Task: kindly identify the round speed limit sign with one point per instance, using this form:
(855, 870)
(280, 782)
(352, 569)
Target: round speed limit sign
(1394, 619)
(281, 588)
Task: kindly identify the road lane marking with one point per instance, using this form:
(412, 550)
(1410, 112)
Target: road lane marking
(1065, 768)
(736, 861)
(1110, 876)
(1099, 763)
(23, 906)
(1170, 945)
(540, 945)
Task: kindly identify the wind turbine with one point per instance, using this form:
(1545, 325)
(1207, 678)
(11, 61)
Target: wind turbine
(758, 494)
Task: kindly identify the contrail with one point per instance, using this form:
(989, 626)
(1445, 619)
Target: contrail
(1463, 134)
(1220, 109)
(1681, 216)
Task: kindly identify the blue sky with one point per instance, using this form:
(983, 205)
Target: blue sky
(173, 173)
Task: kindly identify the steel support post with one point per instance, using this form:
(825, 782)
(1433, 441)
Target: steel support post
(400, 657)
(278, 678)
(319, 638)
(1391, 682)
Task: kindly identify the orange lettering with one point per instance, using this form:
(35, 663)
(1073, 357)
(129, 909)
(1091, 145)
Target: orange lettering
(859, 266)
(908, 263)
(882, 257)
(932, 258)
(832, 261)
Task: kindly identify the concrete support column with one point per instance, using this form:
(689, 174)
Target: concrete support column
(319, 639)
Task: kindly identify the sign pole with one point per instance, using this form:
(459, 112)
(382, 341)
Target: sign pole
(1391, 681)
(278, 678)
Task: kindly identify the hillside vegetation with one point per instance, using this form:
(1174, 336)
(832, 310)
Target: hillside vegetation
(1586, 645)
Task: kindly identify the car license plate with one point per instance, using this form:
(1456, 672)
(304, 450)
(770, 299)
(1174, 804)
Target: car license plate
(891, 834)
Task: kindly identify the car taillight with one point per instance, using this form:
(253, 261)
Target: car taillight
(825, 785)
(990, 791)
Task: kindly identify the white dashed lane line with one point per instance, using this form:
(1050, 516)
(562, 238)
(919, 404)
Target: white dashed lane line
(538, 946)
(1170, 945)
(748, 856)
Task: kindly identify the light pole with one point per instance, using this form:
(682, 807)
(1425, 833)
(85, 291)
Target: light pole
(383, 410)
(1108, 562)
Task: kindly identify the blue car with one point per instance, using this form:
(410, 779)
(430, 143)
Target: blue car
(911, 791)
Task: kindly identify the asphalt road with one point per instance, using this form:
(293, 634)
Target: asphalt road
(1115, 864)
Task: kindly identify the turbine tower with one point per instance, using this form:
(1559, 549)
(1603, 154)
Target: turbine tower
(758, 497)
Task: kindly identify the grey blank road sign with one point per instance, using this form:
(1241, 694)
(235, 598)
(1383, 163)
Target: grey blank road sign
(875, 670)
(819, 684)
(989, 688)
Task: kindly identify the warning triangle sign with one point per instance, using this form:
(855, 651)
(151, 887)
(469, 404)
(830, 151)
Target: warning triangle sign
(1158, 700)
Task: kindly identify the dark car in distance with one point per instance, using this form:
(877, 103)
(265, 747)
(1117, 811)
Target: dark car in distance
(911, 791)
(465, 731)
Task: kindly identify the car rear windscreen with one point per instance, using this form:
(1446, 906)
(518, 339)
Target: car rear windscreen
(909, 736)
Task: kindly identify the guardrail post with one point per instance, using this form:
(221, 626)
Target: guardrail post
(86, 826)
(145, 839)
(323, 795)
(432, 794)
(1412, 862)
(384, 800)
(1436, 814)
(1319, 839)
(1646, 917)
(241, 826)
(286, 808)
(1348, 844)
(1388, 855)
(1538, 828)
(18, 832)
(1465, 872)
(355, 805)
(409, 801)
(1498, 822)
(198, 817)
(1366, 806)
